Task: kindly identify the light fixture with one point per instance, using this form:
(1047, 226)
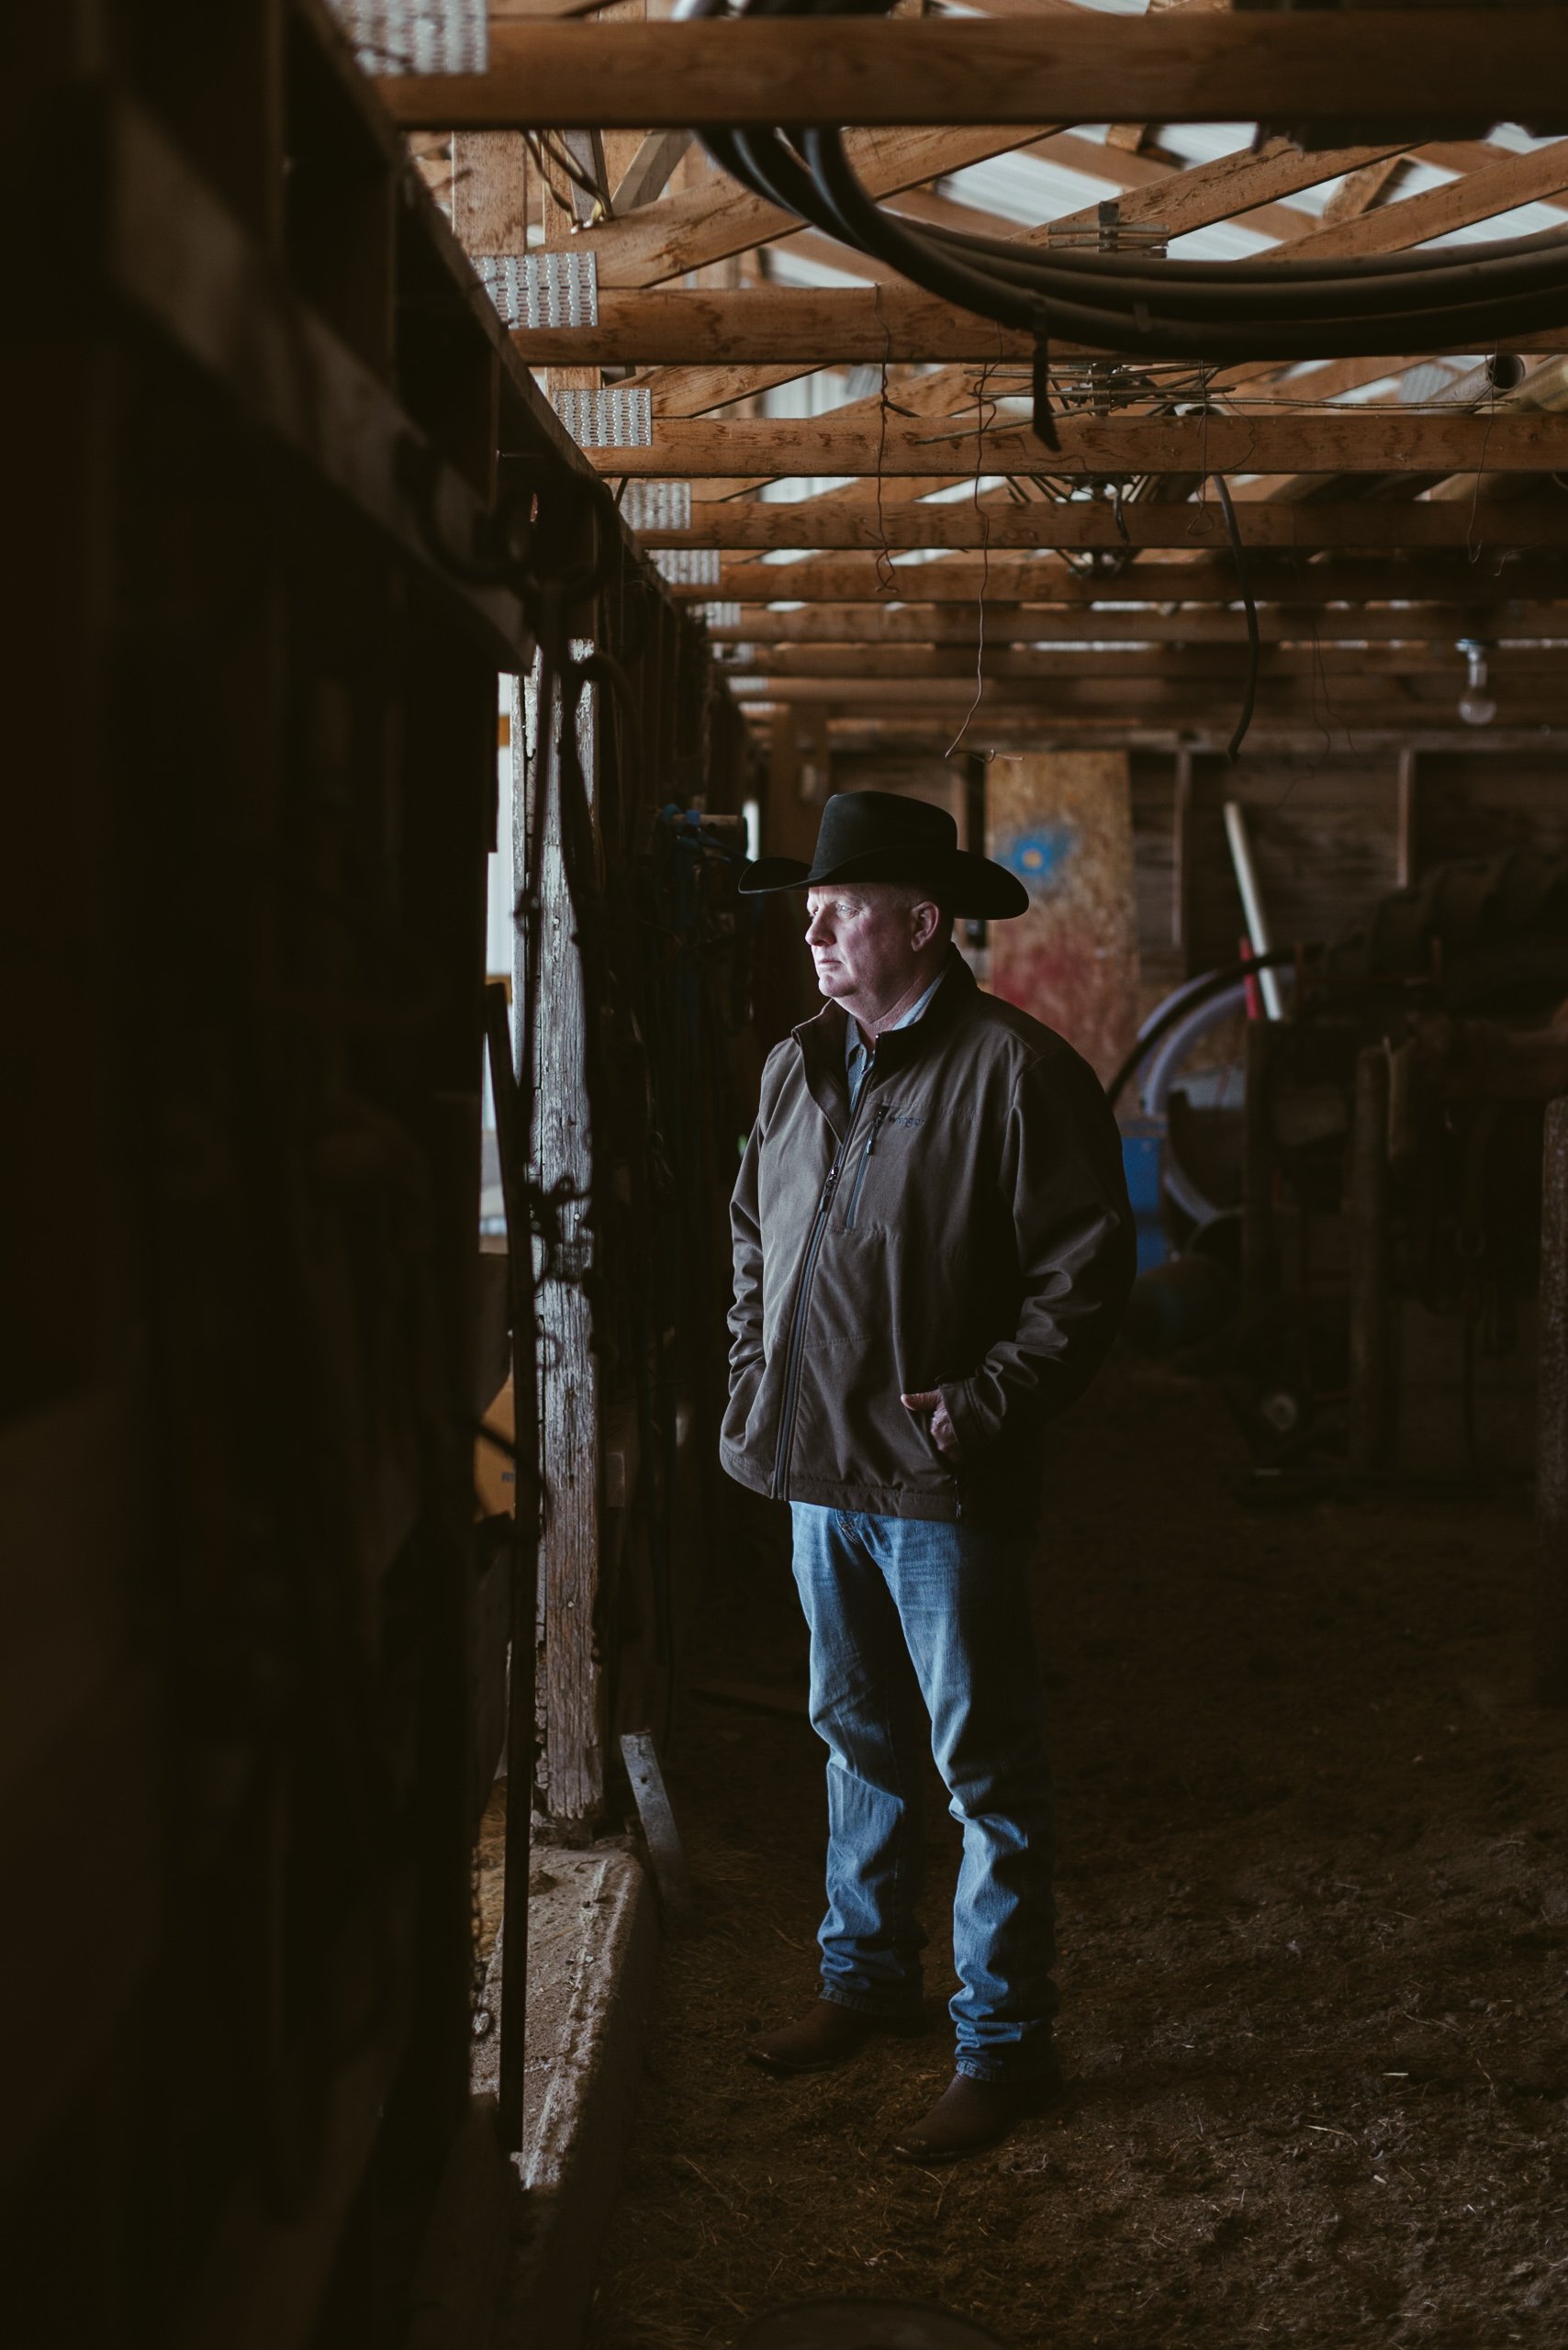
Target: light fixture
(1476, 705)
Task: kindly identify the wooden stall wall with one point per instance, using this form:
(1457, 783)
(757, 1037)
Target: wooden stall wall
(259, 409)
(1331, 833)
(1479, 803)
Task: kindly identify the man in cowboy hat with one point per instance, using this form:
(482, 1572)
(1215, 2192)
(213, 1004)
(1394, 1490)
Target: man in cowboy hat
(933, 1247)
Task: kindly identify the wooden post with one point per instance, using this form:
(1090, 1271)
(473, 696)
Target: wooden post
(489, 191)
(975, 932)
(568, 1390)
(1258, 1249)
(1551, 1406)
(1404, 847)
(1370, 1410)
(1181, 861)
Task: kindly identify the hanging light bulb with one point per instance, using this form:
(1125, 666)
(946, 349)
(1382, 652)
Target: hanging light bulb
(1476, 705)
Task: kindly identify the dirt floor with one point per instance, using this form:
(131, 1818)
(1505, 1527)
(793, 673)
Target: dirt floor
(1314, 1836)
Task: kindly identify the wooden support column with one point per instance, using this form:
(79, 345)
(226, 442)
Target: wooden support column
(1259, 1267)
(489, 191)
(574, 1688)
(797, 779)
(1407, 857)
(1372, 1385)
(1551, 1405)
(1181, 860)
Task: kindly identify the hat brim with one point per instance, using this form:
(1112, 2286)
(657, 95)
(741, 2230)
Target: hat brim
(962, 883)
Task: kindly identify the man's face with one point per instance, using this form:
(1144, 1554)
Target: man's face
(866, 943)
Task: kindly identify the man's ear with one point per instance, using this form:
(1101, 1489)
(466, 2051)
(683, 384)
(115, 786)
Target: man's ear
(924, 921)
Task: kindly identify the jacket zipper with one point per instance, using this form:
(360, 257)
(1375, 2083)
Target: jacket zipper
(802, 1293)
(861, 1171)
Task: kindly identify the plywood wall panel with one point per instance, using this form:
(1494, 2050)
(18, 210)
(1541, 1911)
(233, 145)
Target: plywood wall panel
(1062, 822)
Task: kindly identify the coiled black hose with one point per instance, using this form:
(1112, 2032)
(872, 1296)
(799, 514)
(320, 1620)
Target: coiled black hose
(1217, 313)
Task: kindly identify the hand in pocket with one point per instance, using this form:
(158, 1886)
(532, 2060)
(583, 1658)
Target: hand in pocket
(943, 1435)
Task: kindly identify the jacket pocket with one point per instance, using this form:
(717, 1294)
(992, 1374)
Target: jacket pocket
(863, 1166)
(742, 1402)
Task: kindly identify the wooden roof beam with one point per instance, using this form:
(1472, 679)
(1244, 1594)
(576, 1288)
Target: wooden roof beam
(801, 328)
(1476, 64)
(1047, 579)
(1539, 668)
(1007, 623)
(1537, 522)
(1395, 702)
(1327, 440)
(784, 325)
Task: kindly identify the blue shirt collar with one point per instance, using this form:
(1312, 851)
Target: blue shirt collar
(854, 1048)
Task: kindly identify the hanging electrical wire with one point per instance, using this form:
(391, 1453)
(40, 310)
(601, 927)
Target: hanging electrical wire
(1254, 641)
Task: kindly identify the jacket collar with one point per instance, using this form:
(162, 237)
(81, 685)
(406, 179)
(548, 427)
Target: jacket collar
(820, 1039)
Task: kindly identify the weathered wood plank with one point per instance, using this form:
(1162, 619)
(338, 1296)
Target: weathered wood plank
(1331, 441)
(710, 223)
(1539, 700)
(1413, 220)
(1476, 64)
(796, 328)
(1523, 523)
(574, 1699)
(939, 625)
(1045, 579)
(1542, 665)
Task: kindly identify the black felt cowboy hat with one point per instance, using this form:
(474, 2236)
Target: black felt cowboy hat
(881, 837)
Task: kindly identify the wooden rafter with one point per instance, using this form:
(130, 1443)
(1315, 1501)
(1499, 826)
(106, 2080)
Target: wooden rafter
(934, 624)
(1346, 440)
(1097, 525)
(1044, 579)
(1400, 703)
(714, 222)
(1541, 670)
(804, 327)
(1485, 65)
(1361, 597)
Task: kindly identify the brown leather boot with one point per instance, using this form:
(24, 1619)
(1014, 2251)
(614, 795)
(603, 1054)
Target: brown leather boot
(828, 2035)
(971, 2116)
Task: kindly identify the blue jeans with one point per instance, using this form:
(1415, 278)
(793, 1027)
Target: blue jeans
(913, 1617)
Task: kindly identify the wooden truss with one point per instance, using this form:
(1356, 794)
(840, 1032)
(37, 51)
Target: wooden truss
(1387, 506)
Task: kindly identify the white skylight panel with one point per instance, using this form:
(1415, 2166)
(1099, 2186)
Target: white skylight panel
(961, 489)
(1518, 141)
(794, 488)
(1025, 188)
(786, 268)
(1204, 142)
(1221, 241)
(1525, 221)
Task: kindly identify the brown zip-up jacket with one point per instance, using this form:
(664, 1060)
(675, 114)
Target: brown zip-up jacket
(965, 1228)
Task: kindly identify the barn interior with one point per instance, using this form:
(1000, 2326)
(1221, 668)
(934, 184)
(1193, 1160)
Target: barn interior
(476, 484)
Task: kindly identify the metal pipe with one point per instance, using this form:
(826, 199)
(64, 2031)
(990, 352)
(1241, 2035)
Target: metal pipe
(1252, 904)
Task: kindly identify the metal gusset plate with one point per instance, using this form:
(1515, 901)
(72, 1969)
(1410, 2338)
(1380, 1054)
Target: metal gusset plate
(657, 505)
(687, 567)
(615, 417)
(541, 290)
